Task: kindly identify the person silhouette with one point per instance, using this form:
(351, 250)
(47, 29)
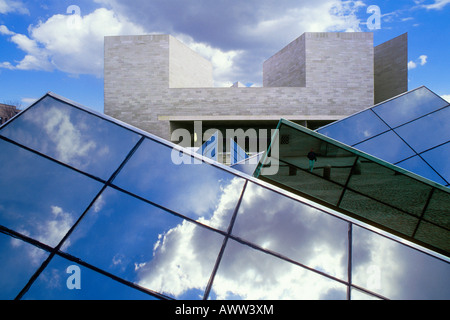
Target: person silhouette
(312, 159)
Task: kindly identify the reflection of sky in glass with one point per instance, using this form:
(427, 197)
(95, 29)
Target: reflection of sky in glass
(427, 132)
(40, 198)
(18, 262)
(409, 106)
(396, 271)
(388, 147)
(160, 251)
(418, 166)
(52, 285)
(193, 190)
(293, 229)
(439, 158)
(72, 136)
(144, 244)
(245, 273)
(354, 129)
(248, 166)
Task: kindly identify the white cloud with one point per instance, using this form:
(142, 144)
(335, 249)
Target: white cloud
(437, 5)
(312, 17)
(69, 43)
(411, 65)
(6, 65)
(446, 97)
(29, 101)
(422, 60)
(222, 61)
(5, 31)
(9, 6)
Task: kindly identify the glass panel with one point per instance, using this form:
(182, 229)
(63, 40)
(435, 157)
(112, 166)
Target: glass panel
(323, 176)
(329, 157)
(390, 187)
(246, 273)
(199, 191)
(379, 213)
(439, 208)
(72, 136)
(360, 295)
(388, 147)
(396, 271)
(420, 167)
(39, 198)
(438, 159)
(433, 235)
(249, 165)
(427, 132)
(297, 180)
(409, 106)
(354, 129)
(146, 245)
(294, 230)
(65, 280)
(19, 261)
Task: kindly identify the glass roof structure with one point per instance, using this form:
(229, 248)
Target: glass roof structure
(91, 208)
(361, 186)
(411, 131)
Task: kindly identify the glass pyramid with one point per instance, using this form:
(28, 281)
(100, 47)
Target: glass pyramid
(91, 208)
(361, 186)
(411, 131)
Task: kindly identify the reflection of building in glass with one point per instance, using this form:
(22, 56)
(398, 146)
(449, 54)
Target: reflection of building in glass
(363, 187)
(137, 230)
(411, 131)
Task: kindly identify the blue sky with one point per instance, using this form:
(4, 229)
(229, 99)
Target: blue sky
(57, 45)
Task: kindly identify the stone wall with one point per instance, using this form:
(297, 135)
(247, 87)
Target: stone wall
(391, 68)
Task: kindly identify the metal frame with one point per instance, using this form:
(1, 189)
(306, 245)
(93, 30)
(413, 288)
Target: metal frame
(227, 235)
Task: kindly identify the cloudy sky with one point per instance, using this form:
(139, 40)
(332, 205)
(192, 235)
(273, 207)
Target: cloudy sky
(57, 45)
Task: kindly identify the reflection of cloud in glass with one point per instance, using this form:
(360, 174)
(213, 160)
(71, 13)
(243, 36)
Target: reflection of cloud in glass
(397, 271)
(18, 262)
(253, 275)
(49, 231)
(53, 230)
(293, 229)
(34, 254)
(183, 257)
(245, 273)
(37, 195)
(182, 261)
(71, 146)
(190, 189)
(72, 136)
(152, 247)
